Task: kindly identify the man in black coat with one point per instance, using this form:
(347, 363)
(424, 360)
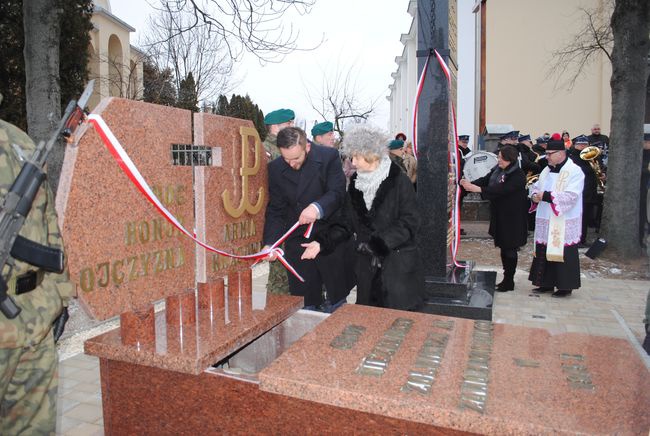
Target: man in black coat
(590, 192)
(307, 184)
(601, 141)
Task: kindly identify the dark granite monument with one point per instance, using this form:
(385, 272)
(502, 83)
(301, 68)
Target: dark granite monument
(450, 290)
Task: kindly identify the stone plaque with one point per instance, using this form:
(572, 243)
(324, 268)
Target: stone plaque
(231, 198)
(477, 377)
(121, 253)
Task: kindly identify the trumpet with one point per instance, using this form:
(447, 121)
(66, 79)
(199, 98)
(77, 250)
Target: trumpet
(590, 154)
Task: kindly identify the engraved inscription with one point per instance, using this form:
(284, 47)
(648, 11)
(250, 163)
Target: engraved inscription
(526, 363)
(444, 324)
(576, 371)
(239, 230)
(131, 268)
(348, 337)
(376, 362)
(474, 389)
(220, 263)
(422, 376)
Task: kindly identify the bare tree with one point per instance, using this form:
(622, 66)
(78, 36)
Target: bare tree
(630, 29)
(623, 39)
(173, 42)
(254, 26)
(338, 98)
(124, 80)
(592, 39)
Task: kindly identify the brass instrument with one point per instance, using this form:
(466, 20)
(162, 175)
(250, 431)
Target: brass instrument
(590, 154)
(530, 177)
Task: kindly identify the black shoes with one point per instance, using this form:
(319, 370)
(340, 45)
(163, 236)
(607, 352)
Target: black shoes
(561, 293)
(506, 285)
(542, 290)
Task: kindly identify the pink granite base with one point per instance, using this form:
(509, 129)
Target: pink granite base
(138, 326)
(537, 383)
(180, 309)
(211, 295)
(192, 347)
(141, 400)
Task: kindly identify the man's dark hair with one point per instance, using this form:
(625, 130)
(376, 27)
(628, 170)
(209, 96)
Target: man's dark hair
(509, 153)
(290, 136)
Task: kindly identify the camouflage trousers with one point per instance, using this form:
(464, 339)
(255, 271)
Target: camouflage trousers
(278, 282)
(28, 389)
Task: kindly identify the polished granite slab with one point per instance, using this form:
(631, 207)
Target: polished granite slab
(466, 375)
(191, 347)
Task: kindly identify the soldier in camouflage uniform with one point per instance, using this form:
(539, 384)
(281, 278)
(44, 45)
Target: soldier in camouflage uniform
(275, 121)
(28, 360)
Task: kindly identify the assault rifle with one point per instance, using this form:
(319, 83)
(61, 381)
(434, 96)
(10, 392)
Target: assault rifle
(18, 202)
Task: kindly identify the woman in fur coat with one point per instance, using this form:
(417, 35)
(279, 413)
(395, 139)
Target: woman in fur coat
(386, 220)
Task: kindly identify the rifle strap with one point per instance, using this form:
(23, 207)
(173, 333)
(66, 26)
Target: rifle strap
(40, 256)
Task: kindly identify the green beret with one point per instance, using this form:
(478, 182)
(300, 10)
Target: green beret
(322, 128)
(395, 144)
(280, 116)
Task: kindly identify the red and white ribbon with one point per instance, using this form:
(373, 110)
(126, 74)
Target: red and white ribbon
(453, 160)
(416, 103)
(132, 172)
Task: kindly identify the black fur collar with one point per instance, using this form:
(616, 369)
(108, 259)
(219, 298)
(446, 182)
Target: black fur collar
(356, 196)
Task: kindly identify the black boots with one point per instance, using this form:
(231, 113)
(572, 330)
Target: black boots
(561, 293)
(509, 267)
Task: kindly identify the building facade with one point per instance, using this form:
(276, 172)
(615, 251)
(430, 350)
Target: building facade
(402, 90)
(513, 83)
(115, 64)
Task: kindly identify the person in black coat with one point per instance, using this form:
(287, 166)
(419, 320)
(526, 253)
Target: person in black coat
(386, 221)
(590, 191)
(505, 187)
(307, 184)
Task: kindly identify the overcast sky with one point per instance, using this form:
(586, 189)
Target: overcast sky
(360, 34)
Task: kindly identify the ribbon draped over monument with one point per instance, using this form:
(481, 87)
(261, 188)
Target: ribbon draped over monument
(453, 157)
(128, 167)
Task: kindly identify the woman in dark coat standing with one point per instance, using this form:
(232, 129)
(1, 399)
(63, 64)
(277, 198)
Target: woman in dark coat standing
(386, 220)
(505, 187)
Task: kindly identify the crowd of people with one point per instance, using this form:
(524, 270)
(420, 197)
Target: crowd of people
(363, 210)
(361, 200)
(554, 188)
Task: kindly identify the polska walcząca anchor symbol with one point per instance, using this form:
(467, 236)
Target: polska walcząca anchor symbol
(245, 171)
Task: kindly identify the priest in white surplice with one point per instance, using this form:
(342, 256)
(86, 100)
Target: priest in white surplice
(558, 223)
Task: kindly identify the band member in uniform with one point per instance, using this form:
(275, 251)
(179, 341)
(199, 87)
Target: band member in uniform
(590, 192)
(510, 138)
(463, 148)
(558, 195)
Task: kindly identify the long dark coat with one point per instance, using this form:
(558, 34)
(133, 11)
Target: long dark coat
(590, 190)
(508, 200)
(389, 227)
(321, 180)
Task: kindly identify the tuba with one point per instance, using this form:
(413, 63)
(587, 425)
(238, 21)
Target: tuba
(590, 154)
